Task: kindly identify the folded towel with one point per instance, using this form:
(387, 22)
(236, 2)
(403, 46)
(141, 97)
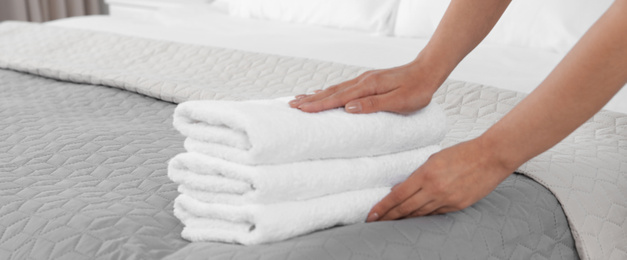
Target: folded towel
(270, 132)
(215, 180)
(262, 223)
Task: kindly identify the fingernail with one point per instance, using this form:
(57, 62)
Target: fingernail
(301, 106)
(372, 217)
(300, 96)
(353, 107)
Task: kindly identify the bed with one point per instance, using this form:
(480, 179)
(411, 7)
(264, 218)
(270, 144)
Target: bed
(87, 132)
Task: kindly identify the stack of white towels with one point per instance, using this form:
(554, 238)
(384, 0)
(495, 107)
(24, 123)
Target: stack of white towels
(260, 171)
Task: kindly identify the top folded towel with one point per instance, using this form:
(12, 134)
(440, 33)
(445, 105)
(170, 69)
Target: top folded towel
(270, 132)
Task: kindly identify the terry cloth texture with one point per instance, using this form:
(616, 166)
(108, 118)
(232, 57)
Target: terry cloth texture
(269, 131)
(260, 171)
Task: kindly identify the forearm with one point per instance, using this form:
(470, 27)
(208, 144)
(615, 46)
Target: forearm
(584, 81)
(410, 87)
(464, 25)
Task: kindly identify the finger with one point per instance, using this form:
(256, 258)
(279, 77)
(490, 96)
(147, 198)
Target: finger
(306, 95)
(322, 94)
(430, 208)
(374, 216)
(300, 96)
(339, 98)
(406, 208)
(371, 104)
(399, 194)
(393, 101)
(313, 97)
(297, 100)
(443, 210)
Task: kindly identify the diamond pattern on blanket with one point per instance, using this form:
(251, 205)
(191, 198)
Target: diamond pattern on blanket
(83, 176)
(592, 161)
(169, 71)
(83, 172)
(498, 227)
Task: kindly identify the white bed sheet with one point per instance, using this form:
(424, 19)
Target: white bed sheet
(513, 68)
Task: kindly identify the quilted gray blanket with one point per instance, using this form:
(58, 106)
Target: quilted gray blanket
(83, 160)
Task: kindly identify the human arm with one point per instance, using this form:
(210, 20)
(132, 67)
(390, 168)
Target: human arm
(410, 87)
(585, 80)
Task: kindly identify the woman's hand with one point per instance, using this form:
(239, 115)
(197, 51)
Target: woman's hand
(410, 87)
(451, 180)
(585, 80)
(402, 90)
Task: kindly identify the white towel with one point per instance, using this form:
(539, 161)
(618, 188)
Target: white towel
(215, 180)
(263, 223)
(269, 131)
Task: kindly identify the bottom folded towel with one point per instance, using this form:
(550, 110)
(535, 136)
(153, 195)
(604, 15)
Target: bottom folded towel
(262, 223)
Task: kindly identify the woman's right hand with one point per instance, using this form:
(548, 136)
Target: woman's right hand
(402, 90)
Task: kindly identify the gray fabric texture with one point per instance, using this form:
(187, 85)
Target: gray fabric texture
(587, 171)
(83, 176)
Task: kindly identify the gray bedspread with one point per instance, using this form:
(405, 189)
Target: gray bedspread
(83, 176)
(83, 160)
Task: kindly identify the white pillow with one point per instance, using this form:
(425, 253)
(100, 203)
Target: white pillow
(374, 16)
(419, 18)
(547, 24)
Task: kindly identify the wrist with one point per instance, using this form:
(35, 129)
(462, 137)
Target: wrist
(499, 151)
(430, 71)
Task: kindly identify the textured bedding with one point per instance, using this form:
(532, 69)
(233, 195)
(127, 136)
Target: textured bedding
(83, 160)
(84, 176)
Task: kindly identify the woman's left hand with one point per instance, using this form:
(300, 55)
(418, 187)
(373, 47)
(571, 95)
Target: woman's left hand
(402, 90)
(451, 180)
